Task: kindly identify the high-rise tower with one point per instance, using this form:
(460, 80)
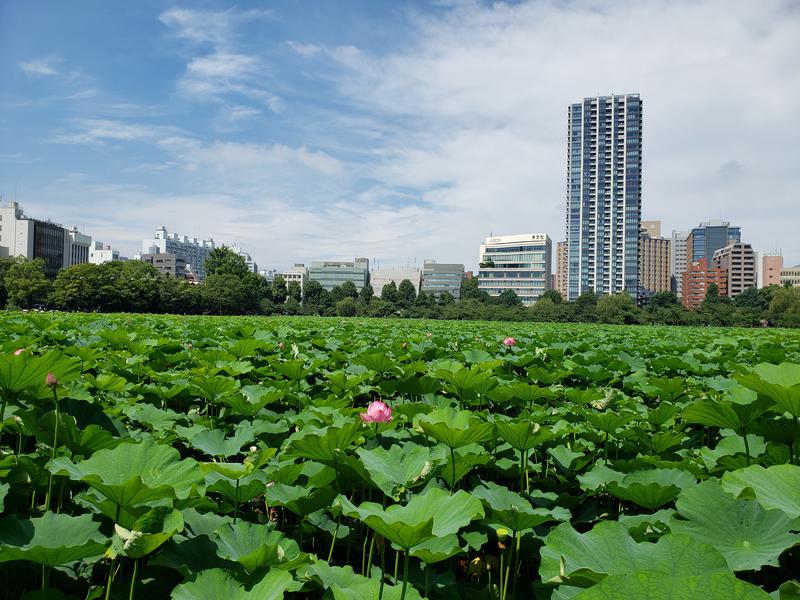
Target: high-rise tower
(604, 194)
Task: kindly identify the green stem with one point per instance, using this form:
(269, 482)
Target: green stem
(53, 456)
(502, 562)
(405, 576)
(396, 565)
(236, 507)
(133, 578)
(368, 568)
(110, 579)
(794, 446)
(516, 565)
(746, 446)
(383, 569)
(453, 460)
(333, 540)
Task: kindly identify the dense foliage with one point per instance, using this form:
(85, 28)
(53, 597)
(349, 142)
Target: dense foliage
(230, 289)
(224, 457)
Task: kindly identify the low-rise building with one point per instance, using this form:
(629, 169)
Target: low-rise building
(381, 277)
(516, 262)
(78, 246)
(438, 278)
(331, 274)
(192, 251)
(100, 253)
(168, 264)
(298, 273)
(696, 280)
(791, 276)
(739, 261)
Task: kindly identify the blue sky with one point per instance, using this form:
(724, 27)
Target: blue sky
(396, 131)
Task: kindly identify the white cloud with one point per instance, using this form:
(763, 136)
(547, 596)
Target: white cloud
(306, 50)
(207, 26)
(40, 67)
(100, 131)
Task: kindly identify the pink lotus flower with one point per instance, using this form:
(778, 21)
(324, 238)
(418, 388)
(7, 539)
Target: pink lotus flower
(377, 412)
(19, 351)
(51, 380)
(509, 341)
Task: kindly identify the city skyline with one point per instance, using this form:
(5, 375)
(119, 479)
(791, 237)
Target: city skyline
(392, 128)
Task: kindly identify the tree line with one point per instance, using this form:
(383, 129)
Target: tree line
(230, 288)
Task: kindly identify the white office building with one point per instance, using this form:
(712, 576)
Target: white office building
(193, 251)
(516, 262)
(298, 273)
(100, 253)
(381, 277)
(678, 259)
(251, 264)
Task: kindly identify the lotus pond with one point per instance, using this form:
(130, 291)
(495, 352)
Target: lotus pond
(257, 458)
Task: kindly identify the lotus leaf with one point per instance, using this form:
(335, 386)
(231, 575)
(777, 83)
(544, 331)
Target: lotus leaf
(215, 584)
(748, 536)
(455, 428)
(775, 487)
(52, 539)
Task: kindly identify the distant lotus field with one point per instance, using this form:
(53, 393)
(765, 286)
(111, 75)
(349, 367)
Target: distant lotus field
(262, 458)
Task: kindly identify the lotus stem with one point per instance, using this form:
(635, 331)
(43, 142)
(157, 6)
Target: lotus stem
(396, 565)
(793, 447)
(502, 562)
(53, 456)
(236, 505)
(453, 460)
(383, 570)
(516, 565)
(333, 540)
(746, 446)
(405, 575)
(110, 579)
(133, 577)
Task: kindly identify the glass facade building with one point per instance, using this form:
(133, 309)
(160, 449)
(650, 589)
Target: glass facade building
(604, 195)
(516, 262)
(438, 278)
(705, 239)
(331, 274)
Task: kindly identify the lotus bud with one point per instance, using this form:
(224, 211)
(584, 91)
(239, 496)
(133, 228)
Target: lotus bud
(51, 380)
(19, 351)
(253, 448)
(190, 345)
(377, 412)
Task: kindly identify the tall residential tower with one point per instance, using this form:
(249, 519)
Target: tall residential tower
(604, 195)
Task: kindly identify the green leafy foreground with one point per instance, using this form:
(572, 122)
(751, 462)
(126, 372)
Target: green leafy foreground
(194, 458)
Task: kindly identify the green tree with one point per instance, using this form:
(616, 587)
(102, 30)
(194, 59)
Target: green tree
(445, 299)
(279, 291)
(366, 294)
(663, 300)
(545, 309)
(406, 294)
(225, 294)
(78, 287)
(784, 309)
(509, 298)
(295, 291)
(349, 290)
(347, 307)
(312, 293)
(26, 283)
(618, 308)
(585, 306)
(136, 286)
(224, 261)
(553, 295)
(712, 294)
(471, 291)
(5, 265)
(389, 293)
(425, 300)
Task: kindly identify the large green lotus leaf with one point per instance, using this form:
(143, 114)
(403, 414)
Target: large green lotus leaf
(748, 536)
(238, 490)
(731, 445)
(522, 434)
(149, 532)
(18, 373)
(780, 383)
(346, 584)
(721, 413)
(252, 398)
(216, 584)
(255, 546)
(52, 539)
(654, 585)
(214, 442)
(775, 487)
(437, 549)
(466, 458)
(511, 510)
(455, 428)
(652, 488)
(433, 513)
(399, 467)
(134, 473)
(300, 499)
(583, 559)
(325, 444)
(231, 471)
(395, 523)
(214, 387)
(601, 475)
(155, 418)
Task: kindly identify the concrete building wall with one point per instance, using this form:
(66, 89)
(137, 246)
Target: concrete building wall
(438, 278)
(791, 276)
(168, 264)
(192, 250)
(380, 277)
(771, 266)
(678, 259)
(560, 283)
(654, 264)
(696, 280)
(739, 261)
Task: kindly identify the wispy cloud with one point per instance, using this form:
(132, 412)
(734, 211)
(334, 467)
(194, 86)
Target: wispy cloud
(306, 50)
(100, 131)
(207, 26)
(40, 67)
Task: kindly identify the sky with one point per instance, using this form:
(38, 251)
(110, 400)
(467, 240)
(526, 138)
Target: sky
(397, 131)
